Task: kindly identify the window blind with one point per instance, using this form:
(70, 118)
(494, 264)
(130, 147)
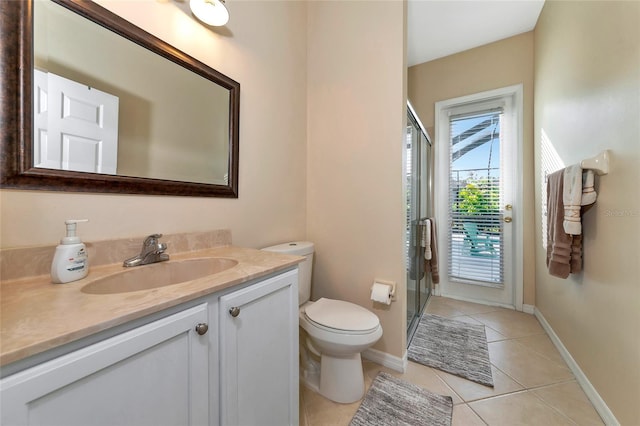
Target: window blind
(475, 219)
(408, 201)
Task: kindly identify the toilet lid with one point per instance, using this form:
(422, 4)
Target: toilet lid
(341, 315)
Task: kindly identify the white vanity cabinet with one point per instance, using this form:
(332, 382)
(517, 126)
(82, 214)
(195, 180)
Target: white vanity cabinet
(258, 328)
(156, 374)
(239, 369)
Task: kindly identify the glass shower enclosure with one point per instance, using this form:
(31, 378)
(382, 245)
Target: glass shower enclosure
(418, 207)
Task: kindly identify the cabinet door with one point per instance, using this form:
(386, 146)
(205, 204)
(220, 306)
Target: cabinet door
(156, 374)
(259, 353)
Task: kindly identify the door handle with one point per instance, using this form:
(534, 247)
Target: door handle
(508, 219)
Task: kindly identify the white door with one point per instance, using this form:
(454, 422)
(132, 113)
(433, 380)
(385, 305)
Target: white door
(259, 353)
(156, 374)
(75, 126)
(479, 192)
(41, 124)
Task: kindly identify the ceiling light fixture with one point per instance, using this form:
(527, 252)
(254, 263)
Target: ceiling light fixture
(211, 12)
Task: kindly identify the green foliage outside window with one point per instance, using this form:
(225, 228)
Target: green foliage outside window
(477, 197)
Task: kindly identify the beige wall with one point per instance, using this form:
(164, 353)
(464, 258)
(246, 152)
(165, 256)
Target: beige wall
(356, 117)
(268, 58)
(500, 64)
(587, 99)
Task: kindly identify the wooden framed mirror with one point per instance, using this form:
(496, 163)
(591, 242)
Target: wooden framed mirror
(199, 166)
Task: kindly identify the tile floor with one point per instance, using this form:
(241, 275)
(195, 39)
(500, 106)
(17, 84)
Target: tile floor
(533, 385)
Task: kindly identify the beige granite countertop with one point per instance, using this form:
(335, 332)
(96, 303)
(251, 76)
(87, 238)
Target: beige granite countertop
(37, 315)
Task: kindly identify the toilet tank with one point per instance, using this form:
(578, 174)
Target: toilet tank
(299, 248)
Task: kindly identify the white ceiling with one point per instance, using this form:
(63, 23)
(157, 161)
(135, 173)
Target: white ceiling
(438, 28)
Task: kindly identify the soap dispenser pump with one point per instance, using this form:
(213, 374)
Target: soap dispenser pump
(70, 261)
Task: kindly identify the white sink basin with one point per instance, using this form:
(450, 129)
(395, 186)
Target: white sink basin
(156, 275)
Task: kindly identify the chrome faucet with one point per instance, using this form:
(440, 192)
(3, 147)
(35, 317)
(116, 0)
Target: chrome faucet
(152, 252)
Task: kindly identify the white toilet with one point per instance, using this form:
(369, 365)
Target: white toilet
(335, 331)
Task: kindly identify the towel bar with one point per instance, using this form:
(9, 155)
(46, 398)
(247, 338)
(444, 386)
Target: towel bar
(599, 164)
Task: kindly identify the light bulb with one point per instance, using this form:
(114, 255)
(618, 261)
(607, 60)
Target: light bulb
(211, 12)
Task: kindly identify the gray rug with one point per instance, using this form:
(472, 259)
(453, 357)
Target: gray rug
(393, 402)
(452, 346)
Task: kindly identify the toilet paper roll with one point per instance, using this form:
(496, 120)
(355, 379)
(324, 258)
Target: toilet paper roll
(381, 293)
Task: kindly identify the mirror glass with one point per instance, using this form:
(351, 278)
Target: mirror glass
(92, 103)
(104, 104)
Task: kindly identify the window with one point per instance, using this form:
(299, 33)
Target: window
(475, 217)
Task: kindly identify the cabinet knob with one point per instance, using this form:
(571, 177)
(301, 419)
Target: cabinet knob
(235, 311)
(202, 328)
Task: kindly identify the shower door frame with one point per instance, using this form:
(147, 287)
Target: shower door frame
(420, 158)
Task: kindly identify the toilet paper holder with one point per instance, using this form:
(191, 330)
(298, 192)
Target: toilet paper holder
(392, 284)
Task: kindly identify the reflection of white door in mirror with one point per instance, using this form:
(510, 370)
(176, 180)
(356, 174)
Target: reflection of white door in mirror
(75, 126)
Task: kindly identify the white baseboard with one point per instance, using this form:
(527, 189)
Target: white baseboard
(386, 360)
(598, 403)
(528, 309)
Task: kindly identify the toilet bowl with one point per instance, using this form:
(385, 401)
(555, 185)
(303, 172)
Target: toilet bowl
(333, 331)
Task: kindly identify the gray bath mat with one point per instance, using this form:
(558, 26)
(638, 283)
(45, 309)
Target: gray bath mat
(452, 346)
(394, 402)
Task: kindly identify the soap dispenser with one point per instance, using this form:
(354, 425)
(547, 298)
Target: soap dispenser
(70, 262)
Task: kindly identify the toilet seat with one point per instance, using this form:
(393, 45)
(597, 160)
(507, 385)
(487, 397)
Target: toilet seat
(339, 316)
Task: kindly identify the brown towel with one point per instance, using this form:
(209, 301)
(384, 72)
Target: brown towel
(431, 265)
(576, 254)
(416, 252)
(564, 251)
